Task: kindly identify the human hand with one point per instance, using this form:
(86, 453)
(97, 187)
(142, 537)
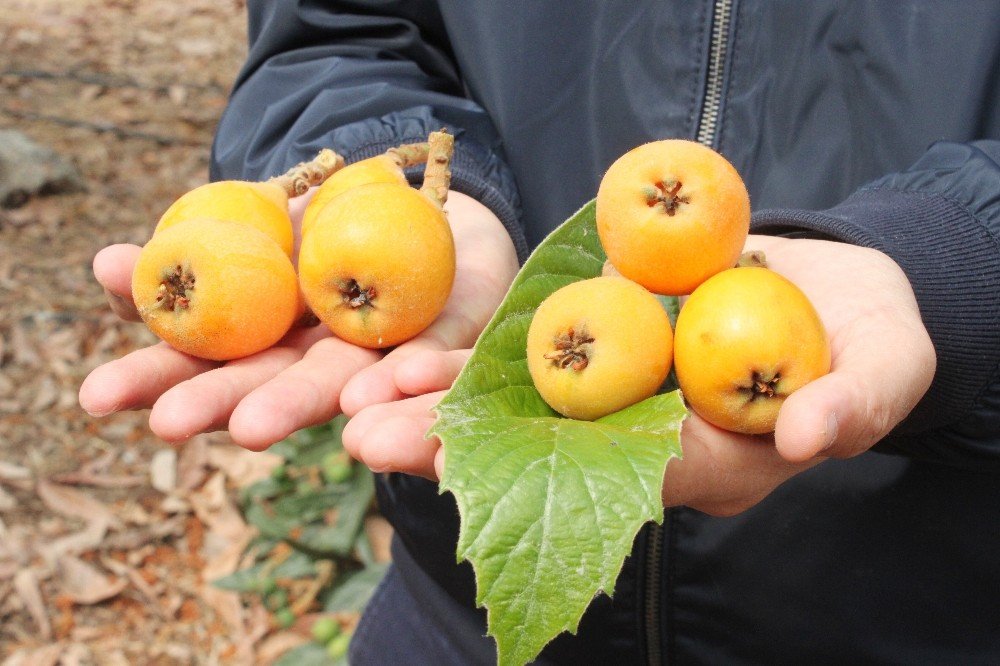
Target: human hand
(298, 382)
(863, 299)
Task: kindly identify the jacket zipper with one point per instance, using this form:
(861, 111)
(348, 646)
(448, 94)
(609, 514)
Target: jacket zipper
(709, 118)
(708, 121)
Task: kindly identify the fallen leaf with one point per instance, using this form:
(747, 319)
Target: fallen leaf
(172, 504)
(26, 586)
(82, 478)
(226, 604)
(23, 349)
(138, 582)
(47, 655)
(84, 584)
(74, 504)
(75, 654)
(134, 539)
(86, 539)
(243, 467)
(212, 506)
(192, 464)
(275, 645)
(46, 395)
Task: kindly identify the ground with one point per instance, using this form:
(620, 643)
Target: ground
(107, 536)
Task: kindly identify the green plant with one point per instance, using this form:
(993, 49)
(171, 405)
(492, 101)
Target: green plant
(565, 498)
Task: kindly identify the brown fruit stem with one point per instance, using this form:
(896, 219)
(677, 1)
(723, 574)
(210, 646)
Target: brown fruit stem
(752, 259)
(297, 180)
(437, 176)
(410, 154)
(571, 350)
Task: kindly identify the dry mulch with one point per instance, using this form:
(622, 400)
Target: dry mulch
(107, 536)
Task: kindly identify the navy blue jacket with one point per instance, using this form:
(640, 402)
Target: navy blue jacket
(874, 123)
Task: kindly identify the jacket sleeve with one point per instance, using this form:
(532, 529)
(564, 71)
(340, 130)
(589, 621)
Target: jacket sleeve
(940, 221)
(358, 77)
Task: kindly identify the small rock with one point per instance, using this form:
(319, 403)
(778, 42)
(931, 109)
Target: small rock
(27, 169)
(163, 470)
(12, 472)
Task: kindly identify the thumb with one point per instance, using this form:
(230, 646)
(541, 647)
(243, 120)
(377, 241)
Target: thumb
(847, 411)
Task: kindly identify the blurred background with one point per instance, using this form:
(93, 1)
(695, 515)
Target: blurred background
(114, 547)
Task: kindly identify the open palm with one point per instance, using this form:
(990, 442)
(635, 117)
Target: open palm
(309, 376)
(863, 298)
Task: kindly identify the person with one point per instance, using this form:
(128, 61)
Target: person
(865, 530)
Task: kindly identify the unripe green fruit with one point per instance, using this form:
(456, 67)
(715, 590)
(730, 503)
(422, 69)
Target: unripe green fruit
(276, 599)
(325, 629)
(336, 467)
(337, 647)
(285, 618)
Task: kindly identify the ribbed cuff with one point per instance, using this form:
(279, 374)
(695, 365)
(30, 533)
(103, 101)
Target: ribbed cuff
(470, 174)
(953, 264)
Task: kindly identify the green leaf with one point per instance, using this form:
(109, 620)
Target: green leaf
(339, 538)
(245, 580)
(354, 590)
(309, 654)
(549, 506)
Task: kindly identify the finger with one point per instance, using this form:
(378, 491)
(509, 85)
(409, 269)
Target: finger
(376, 384)
(205, 402)
(457, 327)
(724, 473)
(391, 437)
(358, 426)
(296, 207)
(428, 371)
(113, 270)
(304, 394)
(870, 389)
(400, 445)
(138, 379)
(439, 463)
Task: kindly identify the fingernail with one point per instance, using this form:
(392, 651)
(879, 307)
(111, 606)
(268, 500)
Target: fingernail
(102, 412)
(830, 433)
